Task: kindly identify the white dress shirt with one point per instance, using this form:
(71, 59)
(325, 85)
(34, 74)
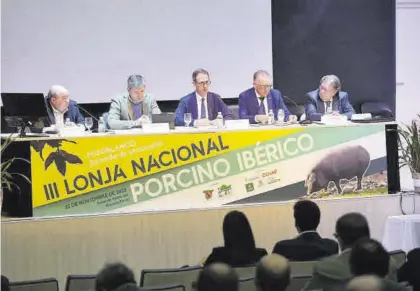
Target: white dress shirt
(199, 98)
(59, 116)
(259, 103)
(327, 107)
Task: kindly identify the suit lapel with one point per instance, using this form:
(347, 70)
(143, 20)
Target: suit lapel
(192, 105)
(254, 102)
(211, 106)
(270, 102)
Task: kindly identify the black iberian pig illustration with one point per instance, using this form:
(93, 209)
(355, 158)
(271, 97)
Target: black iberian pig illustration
(344, 163)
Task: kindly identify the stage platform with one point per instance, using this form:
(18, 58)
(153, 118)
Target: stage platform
(34, 248)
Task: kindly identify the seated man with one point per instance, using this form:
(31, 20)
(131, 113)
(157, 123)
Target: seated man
(133, 107)
(328, 99)
(115, 276)
(308, 245)
(60, 107)
(272, 273)
(217, 276)
(256, 102)
(334, 272)
(202, 104)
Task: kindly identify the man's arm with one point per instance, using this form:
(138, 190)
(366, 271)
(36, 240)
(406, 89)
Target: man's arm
(78, 118)
(114, 117)
(155, 106)
(226, 112)
(243, 111)
(346, 106)
(311, 112)
(180, 111)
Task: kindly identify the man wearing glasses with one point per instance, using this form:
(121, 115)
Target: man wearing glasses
(256, 102)
(202, 104)
(60, 107)
(134, 107)
(328, 99)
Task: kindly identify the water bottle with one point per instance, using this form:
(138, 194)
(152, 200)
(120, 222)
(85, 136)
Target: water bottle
(101, 124)
(219, 120)
(280, 116)
(67, 122)
(271, 119)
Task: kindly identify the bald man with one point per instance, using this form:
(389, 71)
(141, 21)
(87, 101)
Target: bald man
(365, 283)
(272, 273)
(217, 277)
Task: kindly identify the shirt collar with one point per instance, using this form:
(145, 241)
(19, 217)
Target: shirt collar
(200, 97)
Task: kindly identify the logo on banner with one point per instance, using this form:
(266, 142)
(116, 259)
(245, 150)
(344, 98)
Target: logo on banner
(272, 180)
(270, 173)
(224, 190)
(249, 187)
(208, 194)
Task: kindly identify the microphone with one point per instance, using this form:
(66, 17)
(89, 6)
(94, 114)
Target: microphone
(293, 102)
(87, 112)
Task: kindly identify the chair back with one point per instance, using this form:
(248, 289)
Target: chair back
(163, 288)
(182, 276)
(399, 256)
(297, 283)
(246, 271)
(301, 268)
(80, 282)
(247, 284)
(49, 284)
(235, 111)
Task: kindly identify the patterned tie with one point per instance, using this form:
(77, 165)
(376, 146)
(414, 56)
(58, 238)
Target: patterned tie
(262, 108)
(203, 109)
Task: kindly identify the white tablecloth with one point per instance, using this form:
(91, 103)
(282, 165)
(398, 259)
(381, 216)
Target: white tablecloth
(402, 232)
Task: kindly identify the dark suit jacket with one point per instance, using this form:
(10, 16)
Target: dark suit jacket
(188, 104)
(72, 112)
(334, 272)
(235, 258)
(249, 106)
(314, 113)
(308, 246)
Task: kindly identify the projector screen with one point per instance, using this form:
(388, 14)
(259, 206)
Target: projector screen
(92, 46)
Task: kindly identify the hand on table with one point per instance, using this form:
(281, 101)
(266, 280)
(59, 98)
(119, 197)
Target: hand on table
(261, 118)
(292, 118)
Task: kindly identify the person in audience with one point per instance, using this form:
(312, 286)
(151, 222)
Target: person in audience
(335, 271)
(369, 257)
(328, 98)
(272, 273)
(410, 270)
(256, 102)
(115, 276)
(365, 283)
(203, 105)
(308, 245)
(239, 248)
(217, 277)
(60, 107)
(134, 107)
(4, 283)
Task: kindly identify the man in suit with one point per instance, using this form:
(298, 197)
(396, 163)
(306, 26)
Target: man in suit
(203, 105)
(334, 272)
(256, 102)
(308, 245)
(60, 107)
(133, 107)
(369, 257)
(328, 98)
(272, 273)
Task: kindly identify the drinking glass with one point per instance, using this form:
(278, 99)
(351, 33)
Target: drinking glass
(187, 119)
(88, 122)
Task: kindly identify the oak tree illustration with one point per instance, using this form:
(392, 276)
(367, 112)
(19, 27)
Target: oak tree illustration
(59, 157)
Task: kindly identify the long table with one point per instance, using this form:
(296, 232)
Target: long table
(189, 168)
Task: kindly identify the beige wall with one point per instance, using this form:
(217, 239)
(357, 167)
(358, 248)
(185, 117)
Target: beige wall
(33, 249)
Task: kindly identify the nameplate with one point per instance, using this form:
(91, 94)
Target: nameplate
(361, 116)
(237, 124)
(155, 127)
(334, 119)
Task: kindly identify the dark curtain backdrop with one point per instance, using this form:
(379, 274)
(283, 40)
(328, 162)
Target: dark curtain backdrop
(353, 39)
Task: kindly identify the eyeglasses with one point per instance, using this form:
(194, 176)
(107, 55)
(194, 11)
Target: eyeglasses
(203, 83)
(264, 86)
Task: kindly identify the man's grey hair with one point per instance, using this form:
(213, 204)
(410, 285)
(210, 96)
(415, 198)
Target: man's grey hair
(135, 81)
(57, 90)
(333, 80)
(261, 73)
(199, 71)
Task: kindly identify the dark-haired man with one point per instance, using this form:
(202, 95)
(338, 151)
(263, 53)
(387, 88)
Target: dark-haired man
(308, 245)
(115, 276)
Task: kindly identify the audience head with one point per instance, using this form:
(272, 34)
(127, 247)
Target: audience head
(349, 228)
(369, 257)
(237, 231)
(365, 283)
(217, 277)
(409, 270)
(136, 87)
(262, 82)
(328, 87)
(113, 276)
(272, 273)
(307, 215)
(201, 81)
(4, 283)
(59, 98)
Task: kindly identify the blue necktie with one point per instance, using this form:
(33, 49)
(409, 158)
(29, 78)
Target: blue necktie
(262, 108)
(203, 109)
